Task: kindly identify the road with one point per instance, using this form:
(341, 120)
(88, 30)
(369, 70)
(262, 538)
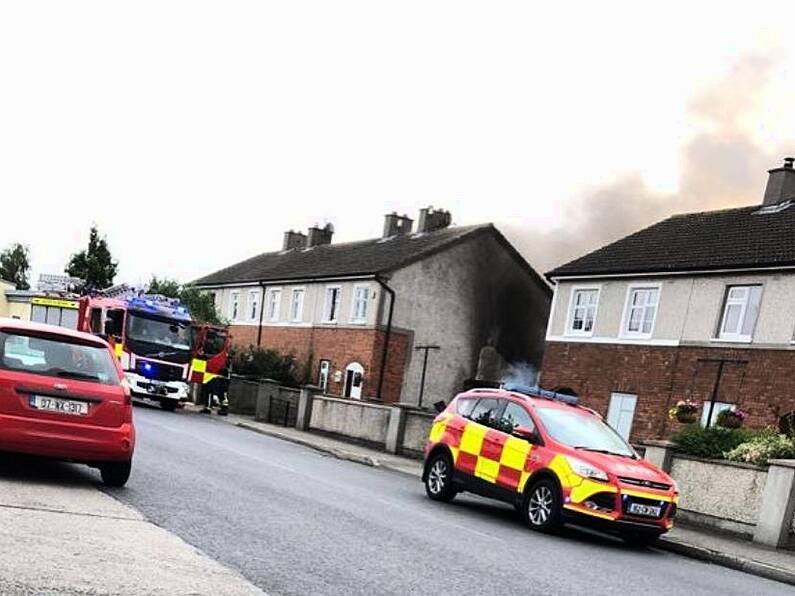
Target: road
(293, 521)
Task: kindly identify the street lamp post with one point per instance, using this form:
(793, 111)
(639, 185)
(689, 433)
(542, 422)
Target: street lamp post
(425, 349)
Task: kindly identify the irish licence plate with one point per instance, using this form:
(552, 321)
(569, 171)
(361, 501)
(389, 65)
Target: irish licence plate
(56, 404)
(645, 510)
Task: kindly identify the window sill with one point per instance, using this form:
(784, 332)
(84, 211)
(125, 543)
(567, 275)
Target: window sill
(358, 322)
(577, 334)
(728, 340)
(636, 337)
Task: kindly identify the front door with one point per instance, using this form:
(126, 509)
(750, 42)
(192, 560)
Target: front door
(621, 413)
(354, 374)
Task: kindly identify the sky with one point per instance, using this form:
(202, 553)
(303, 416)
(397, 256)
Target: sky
(195, 133)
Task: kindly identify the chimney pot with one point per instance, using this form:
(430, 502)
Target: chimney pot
(318, 236)
(396, 225)
(432, 219)
(293, 239)
(780, 183)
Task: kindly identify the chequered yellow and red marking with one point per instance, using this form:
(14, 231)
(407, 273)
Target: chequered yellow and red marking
(483, 452)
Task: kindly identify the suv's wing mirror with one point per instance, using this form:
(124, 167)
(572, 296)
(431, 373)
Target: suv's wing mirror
(439, 406)
(525, 433)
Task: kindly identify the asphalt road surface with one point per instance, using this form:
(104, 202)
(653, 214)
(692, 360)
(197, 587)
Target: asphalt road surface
(294, 521)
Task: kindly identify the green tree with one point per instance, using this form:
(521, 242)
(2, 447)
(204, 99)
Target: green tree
(94, 266)
(201, 305)
(15, 264)
(164, 286)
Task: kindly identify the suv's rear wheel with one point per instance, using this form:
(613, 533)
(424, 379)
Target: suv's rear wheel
(439, 478)
(542, 506)
(115, 473)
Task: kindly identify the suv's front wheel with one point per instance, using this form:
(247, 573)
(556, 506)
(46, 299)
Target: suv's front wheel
(542, 506)
(439, 478)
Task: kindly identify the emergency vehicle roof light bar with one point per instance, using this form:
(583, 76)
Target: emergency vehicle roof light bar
(538, 392)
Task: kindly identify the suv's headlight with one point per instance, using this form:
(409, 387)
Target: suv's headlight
(586, 470)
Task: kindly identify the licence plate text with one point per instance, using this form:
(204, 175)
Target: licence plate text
(645, 510)
(56, 404)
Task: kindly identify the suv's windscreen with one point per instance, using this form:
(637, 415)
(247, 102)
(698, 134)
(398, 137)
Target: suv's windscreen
(56, 358)
(168, 334)
(582, 431)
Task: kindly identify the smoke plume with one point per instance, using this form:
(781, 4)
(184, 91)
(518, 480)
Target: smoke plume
(724, 165)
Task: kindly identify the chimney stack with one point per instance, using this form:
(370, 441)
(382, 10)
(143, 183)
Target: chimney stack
(431, 220)
(293, 240)
(780, 183)
(396, 225)
(318, 236)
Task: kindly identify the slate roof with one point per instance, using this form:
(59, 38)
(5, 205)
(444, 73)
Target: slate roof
(364, 258)
(739, 239)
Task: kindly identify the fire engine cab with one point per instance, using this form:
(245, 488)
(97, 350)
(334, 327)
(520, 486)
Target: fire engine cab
(160, 349)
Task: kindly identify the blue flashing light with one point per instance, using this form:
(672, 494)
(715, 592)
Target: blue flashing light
(148, 367)
(538, 392)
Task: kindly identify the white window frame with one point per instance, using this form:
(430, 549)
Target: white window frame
(324, 374)
(738, 337)
(326, 304)
(719, 407)
(299, 316)
(253, 300)
(274, 316)
(234, 305)
(570, 314)
(625, 318)
(354, 319)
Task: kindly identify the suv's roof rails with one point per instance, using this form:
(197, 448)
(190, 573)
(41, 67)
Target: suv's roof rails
(538, 392)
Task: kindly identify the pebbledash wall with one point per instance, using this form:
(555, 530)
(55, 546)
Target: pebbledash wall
(678, 360)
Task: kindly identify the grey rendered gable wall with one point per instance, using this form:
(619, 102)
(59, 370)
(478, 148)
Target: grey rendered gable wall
(461, 299)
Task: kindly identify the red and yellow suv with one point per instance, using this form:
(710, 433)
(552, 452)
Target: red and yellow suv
(553, 460)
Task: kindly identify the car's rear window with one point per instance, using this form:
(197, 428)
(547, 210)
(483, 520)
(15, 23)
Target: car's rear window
(57, 358)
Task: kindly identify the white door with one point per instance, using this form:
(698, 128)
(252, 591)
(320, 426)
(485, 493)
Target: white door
(354, 373)
(621, 412)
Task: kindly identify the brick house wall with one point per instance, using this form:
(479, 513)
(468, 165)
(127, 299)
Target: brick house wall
(341, 346)
(660, 376)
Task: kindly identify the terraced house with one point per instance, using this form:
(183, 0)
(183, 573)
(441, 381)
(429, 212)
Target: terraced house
(699, 306)
(400, 317)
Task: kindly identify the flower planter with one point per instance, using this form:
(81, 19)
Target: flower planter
(730, 421)
(686, 417)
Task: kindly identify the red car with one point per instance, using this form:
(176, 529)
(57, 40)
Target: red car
(62, 395)
(553, 460)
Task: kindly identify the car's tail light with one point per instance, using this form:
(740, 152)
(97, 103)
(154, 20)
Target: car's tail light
(125, 385)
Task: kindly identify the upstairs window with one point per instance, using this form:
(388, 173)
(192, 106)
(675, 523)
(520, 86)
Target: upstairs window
(274, 304)
(332, 304)
(253, 305)
(360, 297)
(641, 311)
(234, 305)
(740, 311)
(583, 311)
(297, 305)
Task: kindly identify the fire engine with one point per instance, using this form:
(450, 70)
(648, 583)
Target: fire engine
(160, 348)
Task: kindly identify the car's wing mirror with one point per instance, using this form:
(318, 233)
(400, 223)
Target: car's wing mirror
(523, 432)
(439, 406)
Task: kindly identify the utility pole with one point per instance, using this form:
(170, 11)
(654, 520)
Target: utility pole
(426, 349)
(721, 362)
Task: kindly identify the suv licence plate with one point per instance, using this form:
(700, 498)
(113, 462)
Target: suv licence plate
(56, 404)
(644, 510)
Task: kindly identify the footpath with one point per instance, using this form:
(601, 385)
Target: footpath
(59, 534)
(720, 549)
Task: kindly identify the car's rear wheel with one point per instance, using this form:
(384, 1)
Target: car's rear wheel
(439, 478)
(640, 539)
(115, 473)
(542, 506)
(169, 405)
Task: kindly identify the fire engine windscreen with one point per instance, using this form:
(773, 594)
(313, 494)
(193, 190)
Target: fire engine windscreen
(174, 335)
